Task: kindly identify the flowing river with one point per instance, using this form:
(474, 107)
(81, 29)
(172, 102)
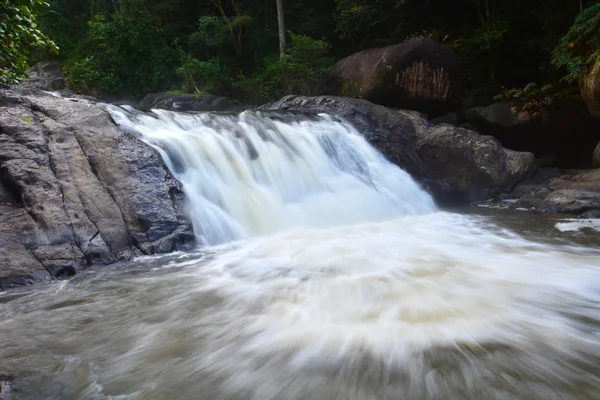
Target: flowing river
(325, 273)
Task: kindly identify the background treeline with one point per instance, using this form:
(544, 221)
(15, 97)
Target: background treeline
(133, 47)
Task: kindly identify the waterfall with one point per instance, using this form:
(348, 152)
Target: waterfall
(254, 174)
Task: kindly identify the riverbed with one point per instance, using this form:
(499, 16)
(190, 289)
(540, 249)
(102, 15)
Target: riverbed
(477, 304)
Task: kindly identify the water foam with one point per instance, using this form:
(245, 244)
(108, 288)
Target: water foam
(249, 175)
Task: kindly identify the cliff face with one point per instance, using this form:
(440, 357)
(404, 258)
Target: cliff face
(76, 192)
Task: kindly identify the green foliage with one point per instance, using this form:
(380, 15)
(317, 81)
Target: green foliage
(137, 46)
(580, 47)
(203, 76)
(300, 71)
(364, 21)
(531, 98)
(19, 34)
(123, 52)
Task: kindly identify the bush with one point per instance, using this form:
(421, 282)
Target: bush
(580, 47)
(18, 35)
(203, 76)
(125, 52)
(531, 99)
(300, 71)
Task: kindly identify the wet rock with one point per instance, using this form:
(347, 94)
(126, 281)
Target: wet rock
(476, 167)
(552, 190)
(455, 165)
(394, 132)
(84, 193)
(186, 102)
(6, 384)
(65, 271)
(419, 74)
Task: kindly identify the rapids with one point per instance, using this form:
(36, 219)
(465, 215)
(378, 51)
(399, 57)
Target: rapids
(329, 275)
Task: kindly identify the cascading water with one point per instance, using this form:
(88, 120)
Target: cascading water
(345, 285)
(248, 175)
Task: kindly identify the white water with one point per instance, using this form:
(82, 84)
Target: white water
(346, 284)
(247, 175)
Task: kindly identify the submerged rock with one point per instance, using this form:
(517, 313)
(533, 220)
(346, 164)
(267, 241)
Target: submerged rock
(455, 165)
(419, 74)
(83, 192)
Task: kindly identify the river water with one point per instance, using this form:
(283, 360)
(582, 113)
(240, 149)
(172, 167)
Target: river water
(326, 273)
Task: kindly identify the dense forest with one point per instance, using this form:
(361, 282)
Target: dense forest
(133, 47)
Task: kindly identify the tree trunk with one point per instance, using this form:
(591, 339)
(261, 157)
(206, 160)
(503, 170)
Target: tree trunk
(281, 23)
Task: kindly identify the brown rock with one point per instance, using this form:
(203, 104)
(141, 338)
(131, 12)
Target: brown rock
(419, 74)
(589, 84)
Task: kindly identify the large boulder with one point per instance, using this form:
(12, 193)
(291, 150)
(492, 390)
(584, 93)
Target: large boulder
(78, 192)
(419, 74)
(476, 167)
(455, 165)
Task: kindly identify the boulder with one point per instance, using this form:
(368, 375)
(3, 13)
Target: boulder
(78, 192)
(419, 74)
(589, 85)
(45, 75)
(564, 135)
(186, 102)
(596, 157)
(498, 114)
(552, 190)
(455, 165)
(475, 166)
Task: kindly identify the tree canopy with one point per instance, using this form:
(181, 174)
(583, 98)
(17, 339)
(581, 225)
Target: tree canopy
(223, 46)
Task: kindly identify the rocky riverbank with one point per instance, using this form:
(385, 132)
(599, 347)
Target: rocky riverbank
(75, 191)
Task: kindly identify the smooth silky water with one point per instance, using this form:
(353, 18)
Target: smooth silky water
(326, 273)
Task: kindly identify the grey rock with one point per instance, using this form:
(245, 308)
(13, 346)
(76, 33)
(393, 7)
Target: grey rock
(477, 167)
(186, 102)
(501, 114)
(455, 165)
(596, 157)
(45, 75)
(449, 119)
(82, 192)
(552, 190)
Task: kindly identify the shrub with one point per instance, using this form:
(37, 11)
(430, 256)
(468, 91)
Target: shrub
(580, 47)
(124, 52)
(531, 98)
(18, 35)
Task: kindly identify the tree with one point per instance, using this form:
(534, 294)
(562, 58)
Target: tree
(579, 49)
(281, 30)
(18, 36)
